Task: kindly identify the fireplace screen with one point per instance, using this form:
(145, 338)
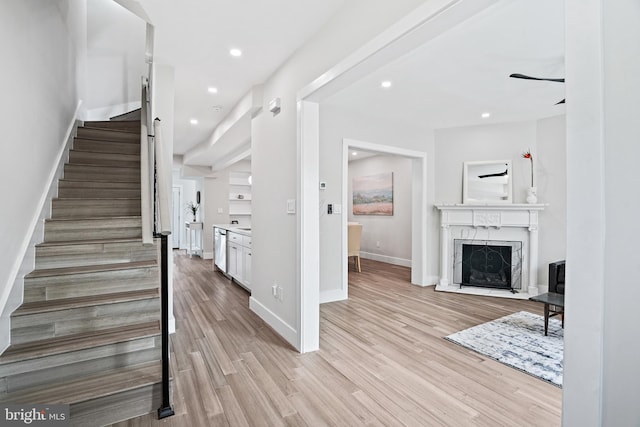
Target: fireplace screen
(487, 263)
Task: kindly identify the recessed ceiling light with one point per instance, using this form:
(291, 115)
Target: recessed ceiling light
(213, 90)
(193, 121)
(386, 84)
(355, 153)
(486, 115)
(235, 52)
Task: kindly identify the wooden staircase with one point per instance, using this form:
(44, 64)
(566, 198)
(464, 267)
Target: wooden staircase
(88, 331)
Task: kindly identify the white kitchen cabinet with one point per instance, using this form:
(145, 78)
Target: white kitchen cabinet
(239, 258)
(234, 257)
(246, 256)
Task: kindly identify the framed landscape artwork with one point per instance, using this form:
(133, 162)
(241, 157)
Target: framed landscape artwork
(373, 194)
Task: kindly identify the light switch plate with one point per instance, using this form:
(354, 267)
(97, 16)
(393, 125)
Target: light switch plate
(219, 210)
(291, 206)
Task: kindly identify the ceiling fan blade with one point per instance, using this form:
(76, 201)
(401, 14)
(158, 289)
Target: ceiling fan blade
(522, 76)
(561, 102)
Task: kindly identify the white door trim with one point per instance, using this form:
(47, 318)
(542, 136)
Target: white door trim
(419, 212)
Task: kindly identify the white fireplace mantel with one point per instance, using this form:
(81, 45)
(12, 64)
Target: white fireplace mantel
(497, 219)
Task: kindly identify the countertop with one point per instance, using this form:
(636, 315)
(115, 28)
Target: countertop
(235, 228)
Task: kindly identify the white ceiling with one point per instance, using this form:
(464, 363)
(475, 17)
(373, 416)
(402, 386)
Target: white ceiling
(448, 82)
(195, 38)
(451, 80)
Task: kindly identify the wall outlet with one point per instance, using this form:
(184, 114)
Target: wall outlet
(378, 244)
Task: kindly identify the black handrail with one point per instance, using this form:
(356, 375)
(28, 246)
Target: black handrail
(165, 410)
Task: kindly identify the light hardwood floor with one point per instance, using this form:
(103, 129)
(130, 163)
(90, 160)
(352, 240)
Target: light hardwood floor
(382, 360)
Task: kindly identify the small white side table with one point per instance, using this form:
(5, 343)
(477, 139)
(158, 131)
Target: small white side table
(194, 236)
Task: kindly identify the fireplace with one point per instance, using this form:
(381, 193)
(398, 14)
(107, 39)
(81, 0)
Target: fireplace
(488, 264)
(508, 224)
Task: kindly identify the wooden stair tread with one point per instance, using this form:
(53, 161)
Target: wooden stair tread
(90, 268)
(91, 387)
(95, 218)
(80, 341)
(68, 303)
(89, 181)
(100, 181)
(108, 129)
(95, 199)
(111, 129)
(94, 165)
(89, 242)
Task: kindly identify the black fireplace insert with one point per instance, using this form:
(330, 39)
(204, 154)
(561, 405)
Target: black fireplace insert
(487, 266)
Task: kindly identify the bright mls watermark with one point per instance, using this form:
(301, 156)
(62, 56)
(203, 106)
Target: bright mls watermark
(34, 415)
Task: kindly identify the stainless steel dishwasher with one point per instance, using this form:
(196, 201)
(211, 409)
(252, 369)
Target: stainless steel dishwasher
(220, 249)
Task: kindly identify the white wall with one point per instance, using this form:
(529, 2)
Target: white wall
(385, 238)
(115, 59)
(41, 81)
(547, 141)
(274, 164)
(489, 142)
(602, 348)
(551, 175)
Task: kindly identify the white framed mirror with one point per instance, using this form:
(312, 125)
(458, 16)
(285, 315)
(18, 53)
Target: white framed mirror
(487, 182)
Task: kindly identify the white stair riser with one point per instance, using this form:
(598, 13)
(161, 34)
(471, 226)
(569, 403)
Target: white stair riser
(93, 254)
(88, 284)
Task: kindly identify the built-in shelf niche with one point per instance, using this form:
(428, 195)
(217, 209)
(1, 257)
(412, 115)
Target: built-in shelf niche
(240, 197)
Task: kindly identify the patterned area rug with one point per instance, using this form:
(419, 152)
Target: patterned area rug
(518, 340)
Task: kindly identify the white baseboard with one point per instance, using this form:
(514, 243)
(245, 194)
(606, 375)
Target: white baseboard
(172, 324)
(388, 259)
(280, 326)
(25, 261)
(430, 281)
(207, 255)
(333, 295)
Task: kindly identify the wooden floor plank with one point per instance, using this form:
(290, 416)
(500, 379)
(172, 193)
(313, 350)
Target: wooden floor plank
(383, 360)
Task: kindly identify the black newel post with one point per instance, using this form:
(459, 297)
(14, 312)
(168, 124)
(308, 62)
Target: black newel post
(165, 410)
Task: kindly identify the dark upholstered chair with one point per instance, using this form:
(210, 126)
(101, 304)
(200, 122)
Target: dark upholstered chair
(556, 277)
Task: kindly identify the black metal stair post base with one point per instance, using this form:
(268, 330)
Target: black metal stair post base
(165, 412)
